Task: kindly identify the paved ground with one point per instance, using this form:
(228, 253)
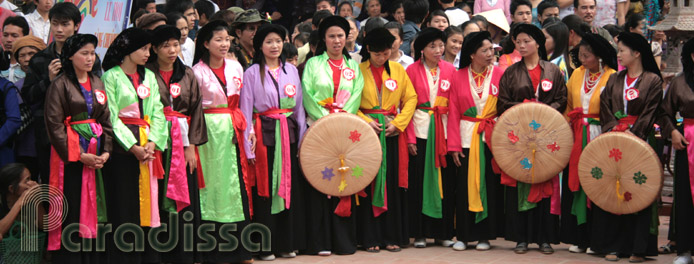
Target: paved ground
(501, 252)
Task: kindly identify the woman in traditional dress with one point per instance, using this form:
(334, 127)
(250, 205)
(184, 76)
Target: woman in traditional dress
(140, 130)
(272, 99)
(79, 128)
(629, 103)
(387, 104)
(182, 103)
(332, 82)
(532, 212)
(431, 181)
(472, 110)
(680, 98)
(557, 45)
(598, 63)
(223, 164)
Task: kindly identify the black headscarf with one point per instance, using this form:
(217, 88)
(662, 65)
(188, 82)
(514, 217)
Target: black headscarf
(601, 48)
(259, 38)
(471, 44)
(323, 27)
(534, 33)
(687, 63)
(160, 35)
(636, 42)
(73, 44)
(205, 34)
(125, 43)
(424, 37)
(377, 40)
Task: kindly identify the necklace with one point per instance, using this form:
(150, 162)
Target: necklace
(479, 80)
(592, 80)
(433, 72)
(342, 63)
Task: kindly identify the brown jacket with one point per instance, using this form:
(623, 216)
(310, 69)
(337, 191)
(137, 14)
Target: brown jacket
(188, 103)
(679, 98)
(645, 106)
(515, 87)
(64, 98)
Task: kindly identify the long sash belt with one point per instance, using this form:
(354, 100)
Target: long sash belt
(282, 170)
(177, 185)
(576, 116)
(689, 135)
(432, 196)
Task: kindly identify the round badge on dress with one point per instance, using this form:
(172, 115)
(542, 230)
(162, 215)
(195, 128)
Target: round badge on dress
(495, 90)
(238, 82)
(348, 74)
(100, 96)
(391, 84)
(631, 94)
(445, 85)
(546, 85)
(290, 90)
(142, 91)
(175, 90)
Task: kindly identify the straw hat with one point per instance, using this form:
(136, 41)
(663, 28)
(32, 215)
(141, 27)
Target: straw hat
(620, 173)
(497, 18)
(532, 142)
(340, 154)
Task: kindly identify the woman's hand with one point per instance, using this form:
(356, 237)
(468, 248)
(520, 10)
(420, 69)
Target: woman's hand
(253, 140)
(139, 152)
(191, 159)
(412, 148)
(90, 160)
(678, 141)
(376, 126)
(149, 147)
(391, 129)
(457, 156)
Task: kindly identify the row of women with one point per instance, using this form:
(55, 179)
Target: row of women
(154, 140)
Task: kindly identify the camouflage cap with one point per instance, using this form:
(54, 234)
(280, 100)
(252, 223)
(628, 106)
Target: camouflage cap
(247, 17)
(237, 10)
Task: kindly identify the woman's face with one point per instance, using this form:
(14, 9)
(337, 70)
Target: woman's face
(526, 45)
(482, 26)
(24, 56)
(640, 29)
(83, 60)
(439, 22)
(374, 8)
(484, 54)
(379, 58)
(433, 51)
(453, 44)
(472, 27)
(626, 55)
(397, 42)
(353, 32)
(218, 45)
(25, 183)
(141, 55)
(168, 51)
(467, 10)
(588, 59)
(335, 40)
(272, 46)
(549, 42)
(182, 25)
(399, 15)
(346, 11)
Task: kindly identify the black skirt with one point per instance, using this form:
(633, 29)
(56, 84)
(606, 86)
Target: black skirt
(421, 225)
(624, 234)
(683, 208)
(571, 232)
(492, 227)
(324, 229)
(536, 225)
(389, 228)
(72, 190)
(287, 226)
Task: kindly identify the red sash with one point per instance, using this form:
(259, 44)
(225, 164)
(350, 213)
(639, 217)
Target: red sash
(403, 154)
(439, 111)
(576, 116)
(260, 180)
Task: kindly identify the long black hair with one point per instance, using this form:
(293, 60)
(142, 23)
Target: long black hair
(205, 34)
(636, 42)
(560, 34)
(73, 44)
(10, 175)
(377, 40)
(688, 63)
(259, 38)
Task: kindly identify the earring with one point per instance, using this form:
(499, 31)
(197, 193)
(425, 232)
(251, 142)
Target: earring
(600, 64)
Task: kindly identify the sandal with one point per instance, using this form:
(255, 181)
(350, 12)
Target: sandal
(612, 257)
(521, 248)
(636, 259)
(373, 250)
(393, 248)
(667, 248)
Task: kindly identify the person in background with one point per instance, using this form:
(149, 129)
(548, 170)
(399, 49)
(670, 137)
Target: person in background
(4, 14)
(510, 55)
(226, 15)
(585, 9)
(614, 31)
(598, 63)
(345, 9)
(43, 68)
(301, 40)
(531, 219)
(545, 10)
(205, 10)
(397, 11)
(481, 22)
(148, 5)
(24, 49)
(187, 45)
(243, 29)
(636, 23)
(326, 5)
(453, 42)
(396, 54)
(10, 119)
(466, 7)
(557, 46)
(150, 21)
(12, 29)
(186, 8)
(456, 15)
(318, 16)
(38, 20)
(486, 5)
(521, 11)
(610, 12)
(351, 44)
(76, 106)
(289, 52)
(469, 27)
(438, 19)
(15, 185)
(415, 12)
(373, 10)
(577, 28)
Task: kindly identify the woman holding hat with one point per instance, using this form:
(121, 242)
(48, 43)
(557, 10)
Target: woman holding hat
(472, 110)
(223, 164)
(387, 104)
(629, 103)
(680, 98)
(532, 217)
(182, 103)
(79, 128)
(140, 134)
(272, 99)
(332, 82)
(598, 63)
(433, 211)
